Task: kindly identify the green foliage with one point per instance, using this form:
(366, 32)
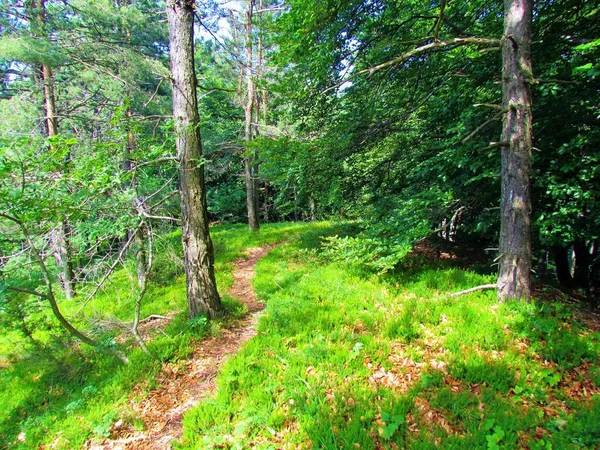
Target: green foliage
(63, 394)
(582, 428)
(313, 374)
(389, 234)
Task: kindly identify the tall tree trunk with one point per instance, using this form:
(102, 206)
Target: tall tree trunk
(261, 65)
(515, 231)
(250, 167)
(60, 235)
(197, 246)
(260, 105)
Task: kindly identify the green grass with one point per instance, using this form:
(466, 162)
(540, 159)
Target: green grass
(63, 394)
(348, 359)
(344, 358)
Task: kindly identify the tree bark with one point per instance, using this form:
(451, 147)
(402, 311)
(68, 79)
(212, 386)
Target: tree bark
(515, 231)
(563, 269)
(581, 270)
(250, 160)
(202, 294)
(60, 238)
(61, 249)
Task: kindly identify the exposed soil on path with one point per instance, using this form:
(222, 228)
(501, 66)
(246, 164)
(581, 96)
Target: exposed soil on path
(185, 383)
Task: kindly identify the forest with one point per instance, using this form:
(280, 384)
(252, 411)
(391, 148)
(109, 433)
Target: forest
(299, 224)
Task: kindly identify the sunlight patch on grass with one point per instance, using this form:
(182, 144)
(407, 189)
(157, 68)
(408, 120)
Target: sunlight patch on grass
(348, 359)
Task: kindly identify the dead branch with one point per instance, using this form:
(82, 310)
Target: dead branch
(490, 105)
(110, 270)
(155, 317)
(49, 295)
(474, 289)
(142, 280)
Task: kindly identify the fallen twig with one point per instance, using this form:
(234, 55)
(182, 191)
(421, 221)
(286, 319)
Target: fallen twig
(155, 316)
(474, 289)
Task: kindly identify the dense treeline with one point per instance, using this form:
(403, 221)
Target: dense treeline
(415, 143)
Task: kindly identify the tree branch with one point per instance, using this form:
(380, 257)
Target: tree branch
(476, 131)
(456, 42)
(436, 28)
(110, 269)
(50, 294)
(474, 289)
(490, 105)
(28, 291)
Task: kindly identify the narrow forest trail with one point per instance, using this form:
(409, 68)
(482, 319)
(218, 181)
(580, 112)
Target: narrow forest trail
(183, 384)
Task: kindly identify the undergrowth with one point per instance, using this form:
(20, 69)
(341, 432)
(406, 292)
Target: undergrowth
(345, 358)
(58, 393)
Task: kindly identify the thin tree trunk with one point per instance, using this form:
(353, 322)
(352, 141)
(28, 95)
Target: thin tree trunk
(515, 231)
(250, 168)
(260, 103)
(60, 235)
(203, 297)
(144, 264)
(143, 236)
(261, 66)
(62, 256)
(295, 203)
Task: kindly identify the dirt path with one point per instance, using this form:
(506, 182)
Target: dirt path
(184, 383)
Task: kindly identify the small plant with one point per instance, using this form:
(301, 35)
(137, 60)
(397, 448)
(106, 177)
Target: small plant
(105, 426)
(391, 423)
(495, 435)
(198, 324)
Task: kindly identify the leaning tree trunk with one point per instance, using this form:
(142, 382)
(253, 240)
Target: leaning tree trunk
(515, 230)
(197, 245)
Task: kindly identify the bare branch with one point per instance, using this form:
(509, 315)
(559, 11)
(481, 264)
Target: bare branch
(476, 131)
(163, 200)
(155, 161)
(155, 92)
(149, 216)
(490, 105)
(109, 271)
(494, 145)
(474, 289)
(28, 291)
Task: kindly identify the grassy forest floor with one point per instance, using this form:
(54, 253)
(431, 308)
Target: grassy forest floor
(342, 358)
